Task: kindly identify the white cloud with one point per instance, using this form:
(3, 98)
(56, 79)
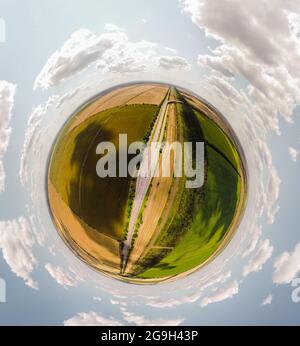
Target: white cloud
(255, 236)
(187, 297)
(294, 24)
(111, 51)
(80, 51)
(211, 281)
(129, 57)
(98, 299)
(114, 302)
(265, 87)
(221, 294)
(225, 90)
(91, 319)
(16, 243)
(270, 186)
(118, 302)
(139, 320)
(7, 96)
(61, 276)
(173, 62)
(170, 303)
(252, 25)
(171, 50)
(69, 95)
(267, 301)
(246, 50)
(109, 27)
(262, 254)
(293, 154)
(287, 266)
(31, 134)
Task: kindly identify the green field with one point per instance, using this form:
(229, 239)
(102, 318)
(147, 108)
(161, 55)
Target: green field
(101, 203)
(213, 216)
(216, 138)
(203, 216)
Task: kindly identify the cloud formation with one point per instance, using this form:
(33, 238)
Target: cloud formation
(91, 319)
(221, 294)
(109, 27)
(173, 62)
(68, 96)
(263, 253)
(287, 266)
(80, 51)
(16, 243)
(246, 50)
(253, 241)
(98, 299)
(140, 320)
(31, 136)
(128, 57)
(7, 96)
(170, 303)
(61, 276)
(111, 51)
(267, 301)
(293, 153)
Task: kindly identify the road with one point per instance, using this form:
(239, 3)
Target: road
(145, 175)
(160, 200)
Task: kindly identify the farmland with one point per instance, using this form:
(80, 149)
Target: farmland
(94, 199)
(89, 211)
(132, 94)
(151, 229)
(202, 219)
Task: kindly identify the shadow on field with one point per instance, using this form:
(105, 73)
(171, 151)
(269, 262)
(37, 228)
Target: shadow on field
(220, 195)
(97, 201)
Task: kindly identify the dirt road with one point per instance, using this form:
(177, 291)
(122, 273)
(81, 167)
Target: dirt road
(145, 175)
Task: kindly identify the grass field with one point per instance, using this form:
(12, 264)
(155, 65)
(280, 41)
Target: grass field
(203, 217)
(213, 217)
(215, 137)
(119, 97)
(99, 202)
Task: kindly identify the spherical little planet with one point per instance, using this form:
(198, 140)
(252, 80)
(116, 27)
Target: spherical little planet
(147, 183)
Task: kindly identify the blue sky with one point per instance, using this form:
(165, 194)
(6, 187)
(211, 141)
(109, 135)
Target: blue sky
(228, 64)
